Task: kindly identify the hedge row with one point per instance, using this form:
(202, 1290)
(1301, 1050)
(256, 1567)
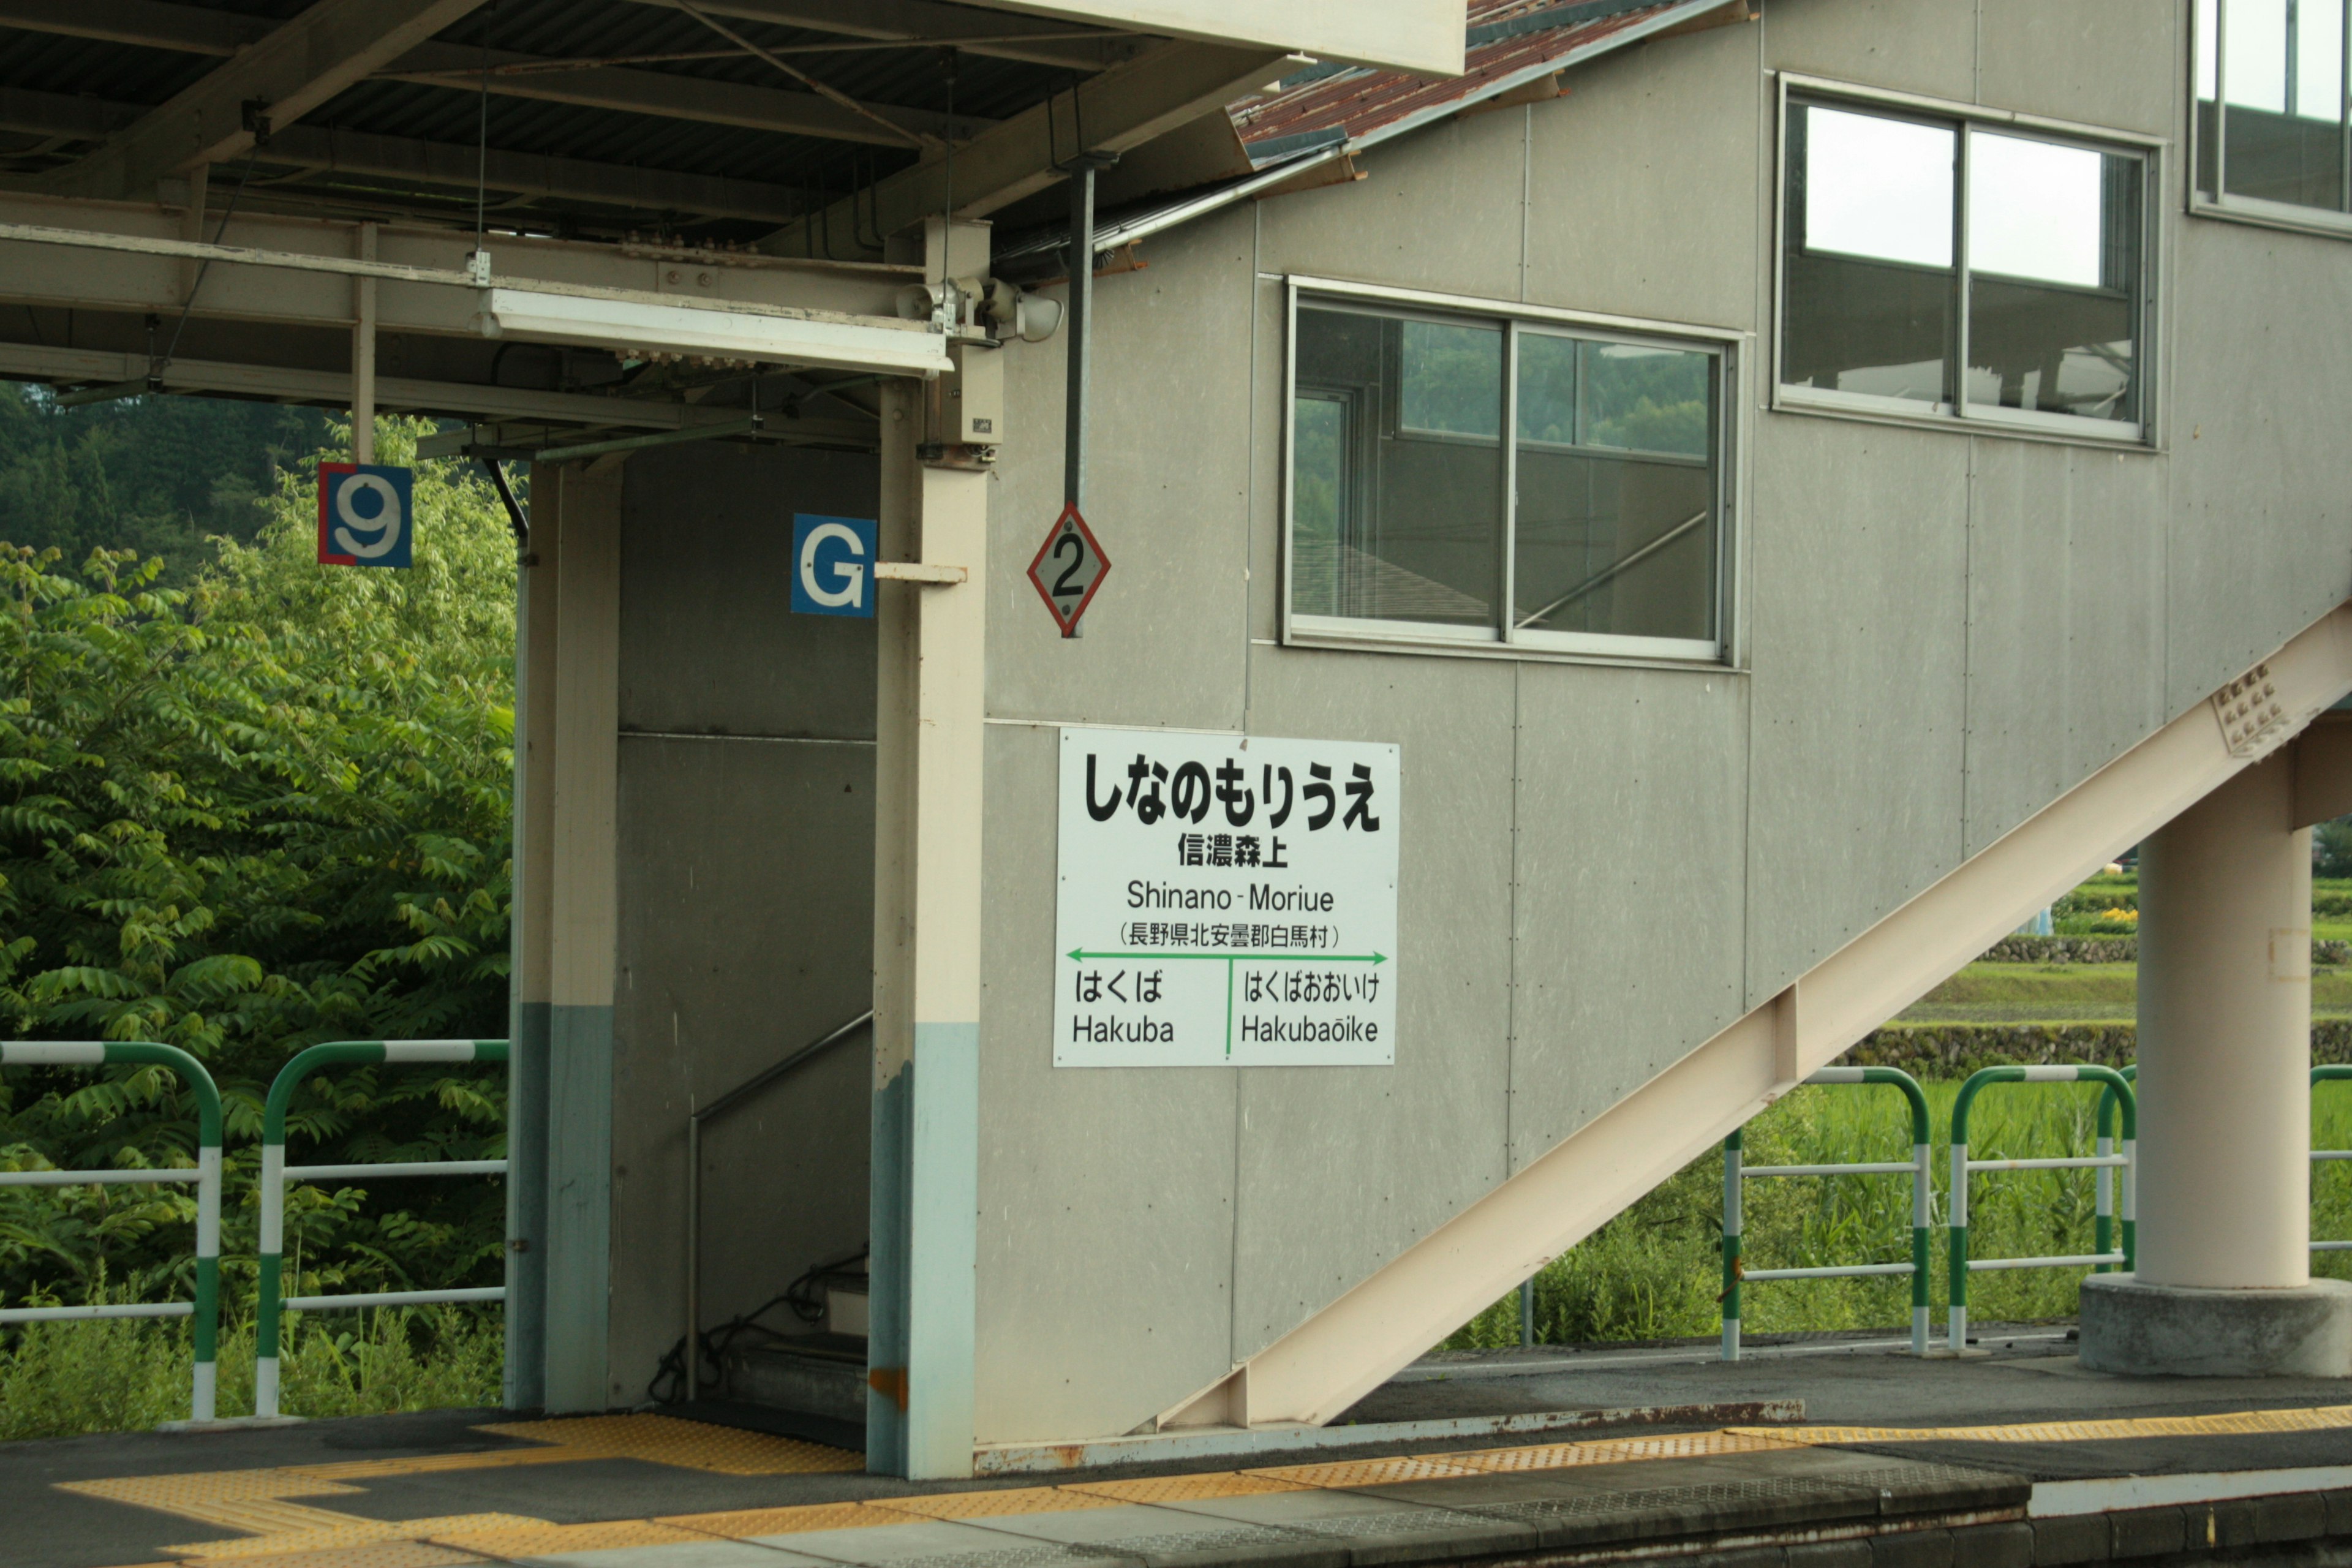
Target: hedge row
(1956, 1051)
(2326, 902)
(2113, 950)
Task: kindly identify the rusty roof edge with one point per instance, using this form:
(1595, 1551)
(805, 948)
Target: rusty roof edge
(1607, 44)
(1111, 235)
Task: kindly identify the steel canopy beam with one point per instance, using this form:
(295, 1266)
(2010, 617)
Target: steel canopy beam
(671, 96)
(37, 362)
(274, 82)
(153, 24)
(447, 163)
(149, 24)
(150, 278)
(1122, 109)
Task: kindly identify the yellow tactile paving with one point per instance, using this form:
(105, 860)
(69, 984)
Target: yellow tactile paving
(543, 1540)
(1619, 1451)
(268, 1516)
(2236, 1423)
(743, 1523)
(689, 1444)
(1185, 1489)
(990, 1504)
(383, 1555)
(1342, 1473)
(347, 1531)
(427, 1464)
(206, 1490)
(288, 1533)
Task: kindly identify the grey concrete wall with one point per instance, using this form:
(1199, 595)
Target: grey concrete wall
(1939, 632)
(746, 828)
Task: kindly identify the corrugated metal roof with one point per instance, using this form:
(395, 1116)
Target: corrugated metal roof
(1358, 105)
(882, 73)
(1320, 115)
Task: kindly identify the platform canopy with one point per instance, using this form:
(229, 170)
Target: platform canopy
(748, 154)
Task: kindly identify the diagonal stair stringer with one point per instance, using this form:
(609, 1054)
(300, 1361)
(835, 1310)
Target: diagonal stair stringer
(1360, 1339)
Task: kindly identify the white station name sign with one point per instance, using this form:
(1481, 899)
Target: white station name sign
(1225, 901)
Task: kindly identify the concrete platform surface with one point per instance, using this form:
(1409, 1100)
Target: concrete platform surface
(2016, 1460)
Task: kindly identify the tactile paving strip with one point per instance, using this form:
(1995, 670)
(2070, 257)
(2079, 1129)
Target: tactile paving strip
(746, 1523)
(387, 1554)
(428, 1464)
(992, 1504)
(689, 1444)
(207, 1489)
(540, 1539)
(1617, 1451)
(2318, 1418)
(1340, 1473)
(1185, 1489)
(347, 1531)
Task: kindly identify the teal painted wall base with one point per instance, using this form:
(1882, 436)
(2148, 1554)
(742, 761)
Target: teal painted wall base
(886, 1274)
(526, 1316)
(579, 1256)
(925, 1225)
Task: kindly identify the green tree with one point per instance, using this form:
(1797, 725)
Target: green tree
(264, 809)
(160, 475)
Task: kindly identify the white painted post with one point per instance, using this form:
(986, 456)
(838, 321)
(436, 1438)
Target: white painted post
(1923, 1202)
(271, 1243)
(2224, 1041)
(363, 354)
(1957, 1328)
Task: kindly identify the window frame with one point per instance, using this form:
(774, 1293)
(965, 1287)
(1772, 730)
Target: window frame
(2257, 210)
(1500, 639)
(1958, 412)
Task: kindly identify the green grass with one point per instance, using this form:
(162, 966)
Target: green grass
(1654, 1270)
(2073, 993)
(59, 1379)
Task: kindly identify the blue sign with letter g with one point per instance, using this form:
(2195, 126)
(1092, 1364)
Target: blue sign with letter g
(832, 564)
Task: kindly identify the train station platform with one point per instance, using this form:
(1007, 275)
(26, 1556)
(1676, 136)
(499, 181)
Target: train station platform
(2016, 1460)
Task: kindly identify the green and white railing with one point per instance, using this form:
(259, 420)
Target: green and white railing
(2103, 1227)
(276, 1176)
(2330, 1074)
(1918, 1168)
(206, 1176)
(1962, 1265)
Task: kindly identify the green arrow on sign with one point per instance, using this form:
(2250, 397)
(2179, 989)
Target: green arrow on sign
(1081, 955)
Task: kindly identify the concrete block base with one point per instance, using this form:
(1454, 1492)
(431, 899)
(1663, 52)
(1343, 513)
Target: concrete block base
(2129, 1326)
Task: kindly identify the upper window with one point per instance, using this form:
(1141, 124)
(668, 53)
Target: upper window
(1533, 483)
(1936, 265)
(2273, 135)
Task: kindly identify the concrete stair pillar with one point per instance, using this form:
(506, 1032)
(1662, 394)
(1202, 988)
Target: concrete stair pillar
(2223, 1286)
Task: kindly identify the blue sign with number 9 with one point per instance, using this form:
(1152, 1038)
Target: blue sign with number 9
(367, 515)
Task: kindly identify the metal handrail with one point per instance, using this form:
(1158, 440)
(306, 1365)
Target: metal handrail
(2332, 1073)
(276, 1176)
(1918, 1168)
(691, 1384)
(2103, 1226)
(1961, 1264)
(205, 1308)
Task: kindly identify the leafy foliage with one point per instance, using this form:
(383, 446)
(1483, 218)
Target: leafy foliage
(261, 809)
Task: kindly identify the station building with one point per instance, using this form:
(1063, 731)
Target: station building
(1705, 516)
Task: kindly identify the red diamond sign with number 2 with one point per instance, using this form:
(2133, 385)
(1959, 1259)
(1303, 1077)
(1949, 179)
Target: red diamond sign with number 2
(1067, 569)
